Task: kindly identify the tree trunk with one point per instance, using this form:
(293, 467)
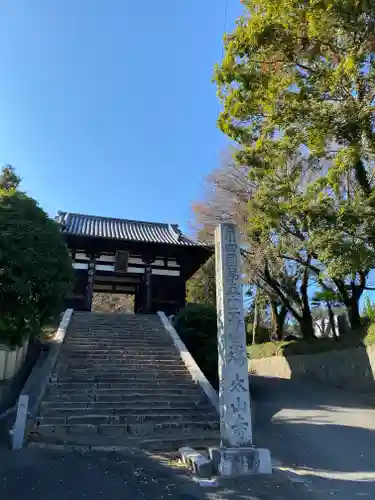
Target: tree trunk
(283, 299)
(351, 301)
(307, 327)
(278, 319)
(281, 319)
(306, 323)
(353, 313)
(332, 320)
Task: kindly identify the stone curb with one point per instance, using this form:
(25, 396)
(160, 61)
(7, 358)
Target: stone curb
(38, 379)
(200, 465)
(194, 370)
(36, 384)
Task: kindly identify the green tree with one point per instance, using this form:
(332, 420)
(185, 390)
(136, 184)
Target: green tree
(35, 268)
(201, 288)
(304, 70)
(297, 81)
(369, 309)
(8, 178)
(197, 326)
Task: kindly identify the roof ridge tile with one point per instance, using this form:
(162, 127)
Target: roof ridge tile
(123, 229)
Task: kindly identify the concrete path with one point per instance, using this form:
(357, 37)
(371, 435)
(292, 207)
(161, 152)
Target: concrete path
(322, 438)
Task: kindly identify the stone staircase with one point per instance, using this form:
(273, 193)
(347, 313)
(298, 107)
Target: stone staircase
(120, 381)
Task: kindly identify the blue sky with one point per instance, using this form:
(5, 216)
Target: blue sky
(107, 107)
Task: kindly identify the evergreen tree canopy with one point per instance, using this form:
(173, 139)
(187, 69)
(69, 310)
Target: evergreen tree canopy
(35, 268)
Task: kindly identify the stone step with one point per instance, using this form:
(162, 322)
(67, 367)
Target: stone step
(115, 318)
(160, 378)
(120, 379)
(129, 355)
(116, 321)
(125, 391)
(139, 341)
(135, 326)
(125, 419)
(126, 371)
(147, 414)
(125, 385)
(138, 389)
(131, 334)
(129, 340)
(169, 355)
(118, 324)
(119, 396)
(134, 329)
(118, 349)
(106, 336)
(131, 330)
(169, 443)
(120, 361)
(124, 344)
(136, 429)
(117, 358)
(169, 352)
(128, 366)
(163, 414)
(132, 368)
(124, 325)
(127, 408)
(123, 322)
(109, 336)
(121, 405)
(128, 384)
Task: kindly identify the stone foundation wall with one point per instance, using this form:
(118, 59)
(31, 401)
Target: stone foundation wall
(351, 369)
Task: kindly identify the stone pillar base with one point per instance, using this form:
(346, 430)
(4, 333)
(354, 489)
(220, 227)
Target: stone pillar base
(231, 462)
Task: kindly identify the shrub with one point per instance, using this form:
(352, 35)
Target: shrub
(198, 317)
(263, 334)
(197, 327)
(201, 287)
(35, 268)
(369, 309)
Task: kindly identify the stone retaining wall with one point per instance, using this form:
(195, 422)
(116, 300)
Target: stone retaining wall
(351, 369)
(11, 360)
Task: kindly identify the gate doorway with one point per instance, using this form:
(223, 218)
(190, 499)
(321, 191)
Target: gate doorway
(112, 303)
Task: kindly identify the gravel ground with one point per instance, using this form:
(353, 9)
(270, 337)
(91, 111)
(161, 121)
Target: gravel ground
(36, 474)
(322, 442)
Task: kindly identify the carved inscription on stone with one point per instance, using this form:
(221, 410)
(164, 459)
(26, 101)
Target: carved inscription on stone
(234, 396)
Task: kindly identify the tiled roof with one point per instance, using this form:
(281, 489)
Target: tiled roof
(122, 229)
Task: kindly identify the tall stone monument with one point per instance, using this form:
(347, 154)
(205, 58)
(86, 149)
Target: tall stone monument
(236, 455)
